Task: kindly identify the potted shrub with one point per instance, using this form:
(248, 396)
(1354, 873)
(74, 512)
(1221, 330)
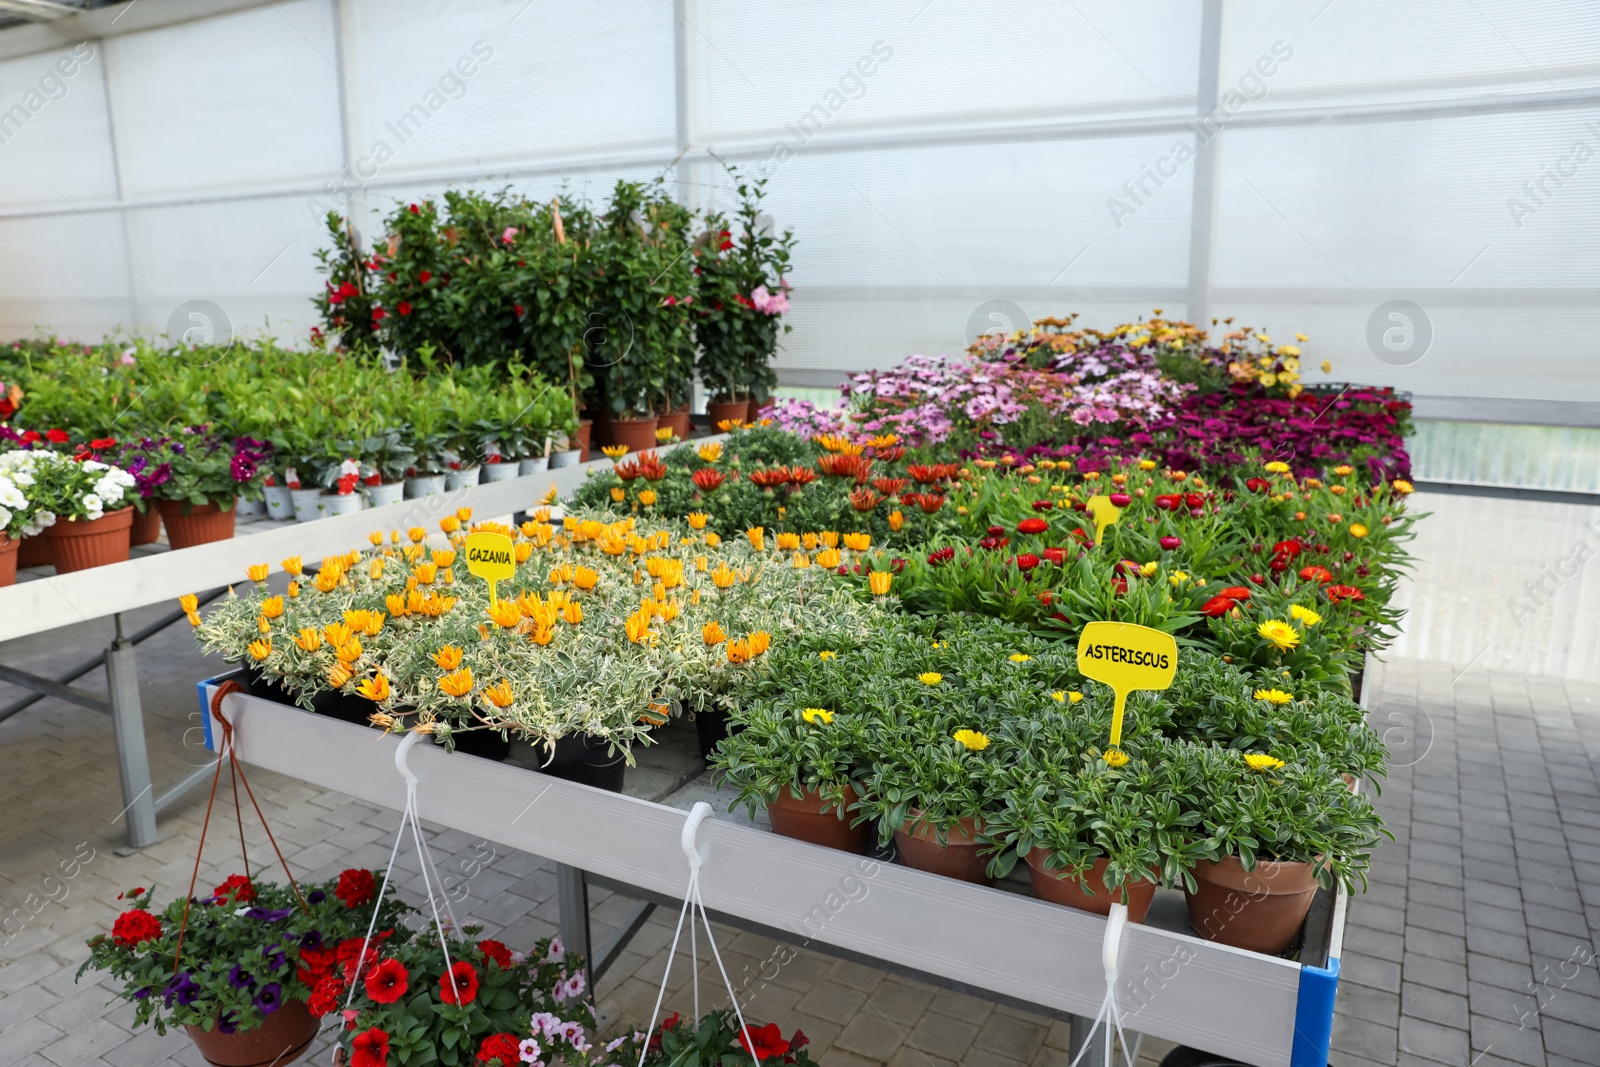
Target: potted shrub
(83, 506)
(463, 1002)
(385, 458)
(1271, 827)
(18, 518)
(194, 479)
(254, 957)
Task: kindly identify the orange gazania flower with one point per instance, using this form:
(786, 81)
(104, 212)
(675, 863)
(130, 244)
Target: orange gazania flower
(308, 640)
(396, 604)
(858, 542)
(878, 582)
(260, 650)
(257, 572)
(328, 579)
(374, 688)
(339, 675)
(337, 633)
(698, 520)
(272, 607)
(713, 633)
(292, 565)
(457, 683)
(350, 651)
(505, 613)
(499, 695)
(448, 658)
(638, 625)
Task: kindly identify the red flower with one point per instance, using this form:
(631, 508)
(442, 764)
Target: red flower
(326, 995)
(1316, 574)
(1170, 543)
(1288, 549)
(387, 981)
(355, 887)
(1026, 562)
(496, 951)
(666, 1024)
(378, 315)
(996, 531)
(1168, 501)
(1032, 526)
(424, 276)
(1337, 593)
(1257, 485)
(763, 1042)
(464, 988)
(798, 1041)
(1258, 579)
(1235, 592)
(404, 307)
(1043, 505)
(503, 1049)
(315, 963)
(1194, 500)
(371, 1048)
(993, 543)
(56, 437)
(135, 926)
(517, 308)
(1121, 500)
(236, 890)
(707, 479)
(100, 444)
(1217, 607)
(1058, 556)
(941, 555)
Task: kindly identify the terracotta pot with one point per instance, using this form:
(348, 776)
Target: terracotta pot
(78, 544)
(200, 526)
(755, 410)
(581, 438)
(719, 411)
(956, 858)
(146, 529)
(1259, 910)
(1060, 888)
(35, 552)
(677, 422)
(282, 1038)
(8, 560)
(638, 434)
(803, 818)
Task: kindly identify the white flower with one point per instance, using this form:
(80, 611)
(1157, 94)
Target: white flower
(11, 496)
(93, 505)
(5, 517)
(45, 519)
(21, 477)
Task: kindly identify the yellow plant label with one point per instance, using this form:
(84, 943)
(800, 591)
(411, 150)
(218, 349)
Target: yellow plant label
(1126, 657)
(492, 557)
(1105, 513)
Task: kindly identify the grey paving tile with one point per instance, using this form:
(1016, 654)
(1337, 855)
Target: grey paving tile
(1422, 1037)
(1424, 1002)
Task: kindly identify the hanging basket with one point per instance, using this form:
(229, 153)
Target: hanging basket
(78, 544)
(283, 1037)
(188, 525)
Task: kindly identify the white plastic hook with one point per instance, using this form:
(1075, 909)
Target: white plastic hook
(400, 756)
(698, 851)
(1116, 922)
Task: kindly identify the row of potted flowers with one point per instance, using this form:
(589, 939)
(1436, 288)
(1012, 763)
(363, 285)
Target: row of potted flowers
(252, 970)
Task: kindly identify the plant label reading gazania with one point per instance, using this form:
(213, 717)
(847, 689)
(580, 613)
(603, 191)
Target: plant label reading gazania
(1105, 513)
(490, 556)
(1126, 657)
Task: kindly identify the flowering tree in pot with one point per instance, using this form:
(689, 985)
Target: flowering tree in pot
(245, 960)
(742, 298)
(347, 301)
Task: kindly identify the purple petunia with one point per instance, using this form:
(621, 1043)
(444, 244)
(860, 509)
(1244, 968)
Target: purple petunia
(239, 978)
(183, 989)
(270, 999)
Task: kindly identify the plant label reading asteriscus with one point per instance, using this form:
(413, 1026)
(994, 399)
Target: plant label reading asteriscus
(490, 556)
(1105, 513)
(1126, 657)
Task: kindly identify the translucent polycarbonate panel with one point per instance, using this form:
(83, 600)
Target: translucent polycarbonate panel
(64, 275)
(55, 146)
(840, 64)
(251, 258)
(478, 82)
(240, 100)
(1353, 52)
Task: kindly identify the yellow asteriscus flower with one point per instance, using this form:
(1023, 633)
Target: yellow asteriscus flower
(817, 716)
(1020, 657)
(1273, 696)
(1280, 633)
(972, 740)
(614, 451)
(930, 677)
(826, 655)
(1260, 762)
(1115, 757)
(1304, 614)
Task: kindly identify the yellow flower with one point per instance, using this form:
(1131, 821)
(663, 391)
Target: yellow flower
(464, 514)
(292, 565)
(1343, 469)
(573, 613)
(194, 618)
(1149, 569)
(758, 538)
(713, 633)
(830, 539)
(711, 451)
(308, 640)
(1403, 487)
(523, 551)
(698, 520)
(337, 633)
(724, 576)
(260, 650)
(1357, 530)
(189, 603)
(376, 537)
(294, 589)
(1020, 657)
(1177, 578)
(426, 572)
(713, 540)
(1115, 757)
(457, 683)
(256, 572)
(972, 740)
(1274, 696)
(449, 524)
(827, 655)
(499, 695)
(350, 651)
(1289, 350)
(1327, 366)
(828, 557)
(416, 533)
(801, 561)
(930, 677)
(1305, 615)
(505, 613)
(896, 520)
(1277, 467)
(339, 675)
(638, 625)
(585, 578)
(788, 542)
(809, 542)
(647, 497)
(664, 434)
(374, 688)
(858, 542)
(1059, 696)
(448, 658)
(328, 579)
(878, 582)
(817, 716)
(886, 440)
(1260, 762)
(263, 625)
(617, 495)
(1147, 464)
(615, 451)
(1280, 633)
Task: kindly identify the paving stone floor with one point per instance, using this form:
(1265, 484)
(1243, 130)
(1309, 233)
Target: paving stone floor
(1493, 885)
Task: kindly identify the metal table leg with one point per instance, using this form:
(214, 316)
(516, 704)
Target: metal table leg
(127, 718)
(573, 896)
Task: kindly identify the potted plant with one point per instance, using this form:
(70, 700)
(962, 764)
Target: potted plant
(464, 1002)
(194, 479)
(18, 518)
(83, 506)
(243, 969)
(1271, 827)
(718, 1040)
(385, 458)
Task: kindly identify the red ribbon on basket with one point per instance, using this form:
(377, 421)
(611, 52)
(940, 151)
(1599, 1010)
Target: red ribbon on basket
(236, 775)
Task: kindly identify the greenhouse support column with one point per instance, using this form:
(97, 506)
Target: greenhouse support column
(1208, 130)
(572, 898)
(684, 56)
(1081, 1032)
(127, 719)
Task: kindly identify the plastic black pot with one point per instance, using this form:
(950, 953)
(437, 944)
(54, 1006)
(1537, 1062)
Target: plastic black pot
(485, 744)
(587, 760)
(710, 726)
